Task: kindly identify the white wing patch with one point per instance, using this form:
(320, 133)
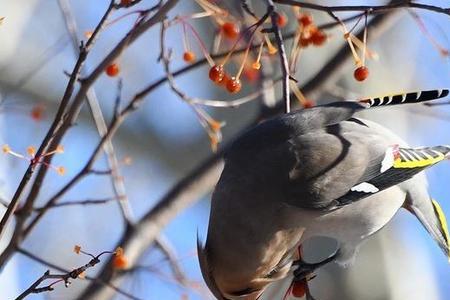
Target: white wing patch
(388, 160)
(365, 187)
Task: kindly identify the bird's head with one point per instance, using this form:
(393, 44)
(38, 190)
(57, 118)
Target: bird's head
(241, 284)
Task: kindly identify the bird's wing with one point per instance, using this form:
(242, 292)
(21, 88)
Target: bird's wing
(349, 161)
(398, 165)
(277, 130)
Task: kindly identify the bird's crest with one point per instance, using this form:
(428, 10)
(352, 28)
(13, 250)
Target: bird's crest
(206, 270)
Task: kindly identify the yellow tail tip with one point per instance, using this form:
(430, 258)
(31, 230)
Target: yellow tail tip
(443, 222)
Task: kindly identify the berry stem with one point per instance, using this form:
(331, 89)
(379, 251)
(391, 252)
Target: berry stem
(347, 36)
(270, 46)
(258, 58)
(202, 45)
(225, 60)
(364, 41)
(298, 94)
(185, 40)
(209, 7)
(238, 75)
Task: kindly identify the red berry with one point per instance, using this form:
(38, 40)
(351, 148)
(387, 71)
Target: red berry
(112, 70)
(230, 30)
(216, 73)
(305, 20)
(188, 56)
(308, 104)
(251, 74)
(234, 85)
(318, 38)
(361, 73)
(281, 20)
(223, 82)
(299, 288)
(37, 112)
(125, 2)
(304, 42)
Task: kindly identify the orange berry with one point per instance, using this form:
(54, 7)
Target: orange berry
(230, 30)
(308, 104)
(188, 56)
(224, 80)
(318, 38)
(251, 74)
(361, 73)
(234, 85)
(112, 70)
(282, 19)
(305, 20)
(120, 262)
(299, 288)
(304, 42)
(216, 73)
(37, 112)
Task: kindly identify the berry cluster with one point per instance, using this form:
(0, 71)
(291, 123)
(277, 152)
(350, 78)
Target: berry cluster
(309, 33)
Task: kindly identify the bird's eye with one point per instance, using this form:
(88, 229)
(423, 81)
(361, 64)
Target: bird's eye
(272, 273)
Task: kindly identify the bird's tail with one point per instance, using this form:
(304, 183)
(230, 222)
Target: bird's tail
(431, 215)
(414, 97)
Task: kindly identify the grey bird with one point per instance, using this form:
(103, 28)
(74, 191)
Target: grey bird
(313, 172)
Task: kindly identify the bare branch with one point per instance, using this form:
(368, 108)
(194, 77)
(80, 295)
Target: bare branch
(56, 132)
(370, 8)
(73, 274)
(97, 115)
(76, 203)
(283, 58)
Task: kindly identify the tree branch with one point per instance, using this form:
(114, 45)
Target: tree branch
(370, 8)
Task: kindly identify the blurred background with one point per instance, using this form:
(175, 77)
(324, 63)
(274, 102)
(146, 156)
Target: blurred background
(165, 141)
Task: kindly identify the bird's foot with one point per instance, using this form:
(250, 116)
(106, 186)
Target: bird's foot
(305, 270)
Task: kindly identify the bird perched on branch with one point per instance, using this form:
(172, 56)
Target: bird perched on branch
(314, 172)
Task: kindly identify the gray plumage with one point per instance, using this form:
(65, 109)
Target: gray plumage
(308, 173)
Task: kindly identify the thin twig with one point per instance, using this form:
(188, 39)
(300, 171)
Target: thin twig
(73, 274)
(76, 203)
(166, 248)
(97, 115)
(48, 264)
(84, 50)
(369, 8)
(283, 58)
(56, 132)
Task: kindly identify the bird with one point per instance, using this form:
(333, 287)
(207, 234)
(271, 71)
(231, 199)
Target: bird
(319, 171)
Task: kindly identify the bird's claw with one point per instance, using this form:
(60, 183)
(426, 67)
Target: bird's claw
(305, 270)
